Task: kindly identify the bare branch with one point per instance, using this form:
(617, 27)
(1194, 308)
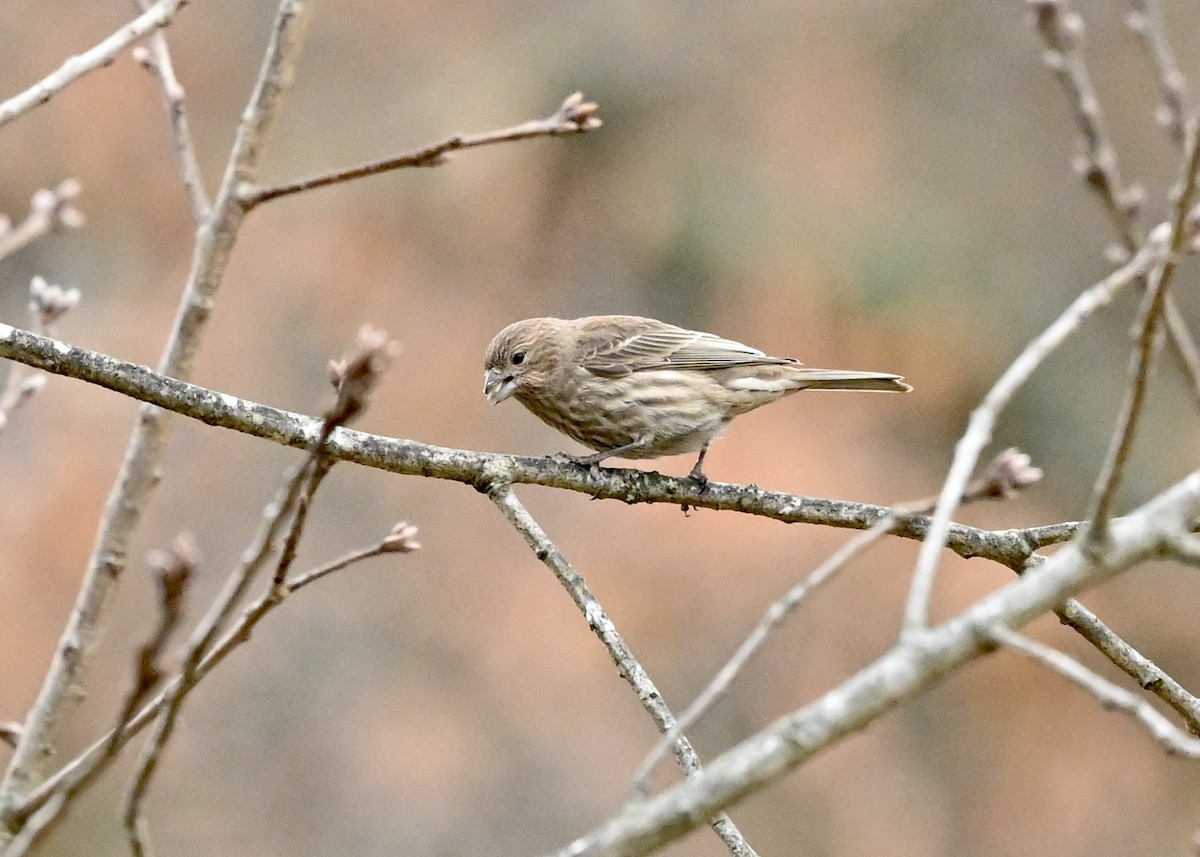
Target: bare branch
(139, 471)
(154, 18)
(1007, 473)
(983, 418)
(174, 568)
(920, 661)
(500, 493)
(353, 378)
(45, 804)
(50, 209)
(157, 60)
(1147, 345)
(1012, 548)
(1146, 22)
(1062, 31)
(1132, 662)
(574, 116)
(1110, 695)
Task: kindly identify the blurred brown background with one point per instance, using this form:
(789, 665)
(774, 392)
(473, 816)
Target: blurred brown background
(873, 185)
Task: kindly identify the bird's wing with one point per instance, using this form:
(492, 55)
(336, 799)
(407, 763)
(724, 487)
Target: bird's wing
(617, 345)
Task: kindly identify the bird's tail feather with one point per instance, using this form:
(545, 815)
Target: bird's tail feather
(838, 379)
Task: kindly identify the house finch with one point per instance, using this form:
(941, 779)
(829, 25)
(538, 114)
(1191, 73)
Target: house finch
(633, 387)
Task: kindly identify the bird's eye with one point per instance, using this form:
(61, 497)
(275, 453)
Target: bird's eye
(518, 358)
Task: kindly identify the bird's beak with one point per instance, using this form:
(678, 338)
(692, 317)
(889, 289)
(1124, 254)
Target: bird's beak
(497, 387)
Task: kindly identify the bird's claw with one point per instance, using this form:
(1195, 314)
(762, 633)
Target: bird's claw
(587, 461)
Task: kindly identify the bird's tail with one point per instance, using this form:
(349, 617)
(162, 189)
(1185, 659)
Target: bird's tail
(839, 379)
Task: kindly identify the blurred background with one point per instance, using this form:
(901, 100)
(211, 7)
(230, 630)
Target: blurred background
(870, 185)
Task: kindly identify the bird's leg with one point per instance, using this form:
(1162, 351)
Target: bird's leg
(596, 457)
(697, 471)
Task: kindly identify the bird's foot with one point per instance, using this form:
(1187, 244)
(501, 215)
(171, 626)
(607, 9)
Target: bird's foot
(591, 462)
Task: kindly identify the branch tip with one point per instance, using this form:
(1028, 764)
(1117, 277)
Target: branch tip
(401, 538)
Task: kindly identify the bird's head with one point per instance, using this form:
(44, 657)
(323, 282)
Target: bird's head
(521, 358)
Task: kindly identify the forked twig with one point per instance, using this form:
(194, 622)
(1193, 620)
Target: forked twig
(139, 471)
(354, 377)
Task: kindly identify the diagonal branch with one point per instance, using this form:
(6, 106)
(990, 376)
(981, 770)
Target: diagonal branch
(983, 418)
(1146, 22)
(154, 18)
(1062, 32)
(601, 623)
(1110, 695)
(1146, 348)
(157, 60)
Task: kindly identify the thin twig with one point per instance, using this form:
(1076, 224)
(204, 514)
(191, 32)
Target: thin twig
(47, 303)
(354, 377)
(1147, 345)
(174, 569)
(983, 418)
(1062, 31)
(1133, 663)
(1110, 695)
(1187, 354)
(50, 209)
(157, 60)
(1146, 21)
(1008, 472)
(140, 469)
(44, 807)
(154, 18)
(574, 116)
(501, 493)
(265, 544)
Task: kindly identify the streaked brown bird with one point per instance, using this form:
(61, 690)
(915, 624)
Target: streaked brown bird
(634, 387)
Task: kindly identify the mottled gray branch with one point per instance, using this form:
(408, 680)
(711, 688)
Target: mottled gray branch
(627, 664)
(1011, 548)
(921, 660)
